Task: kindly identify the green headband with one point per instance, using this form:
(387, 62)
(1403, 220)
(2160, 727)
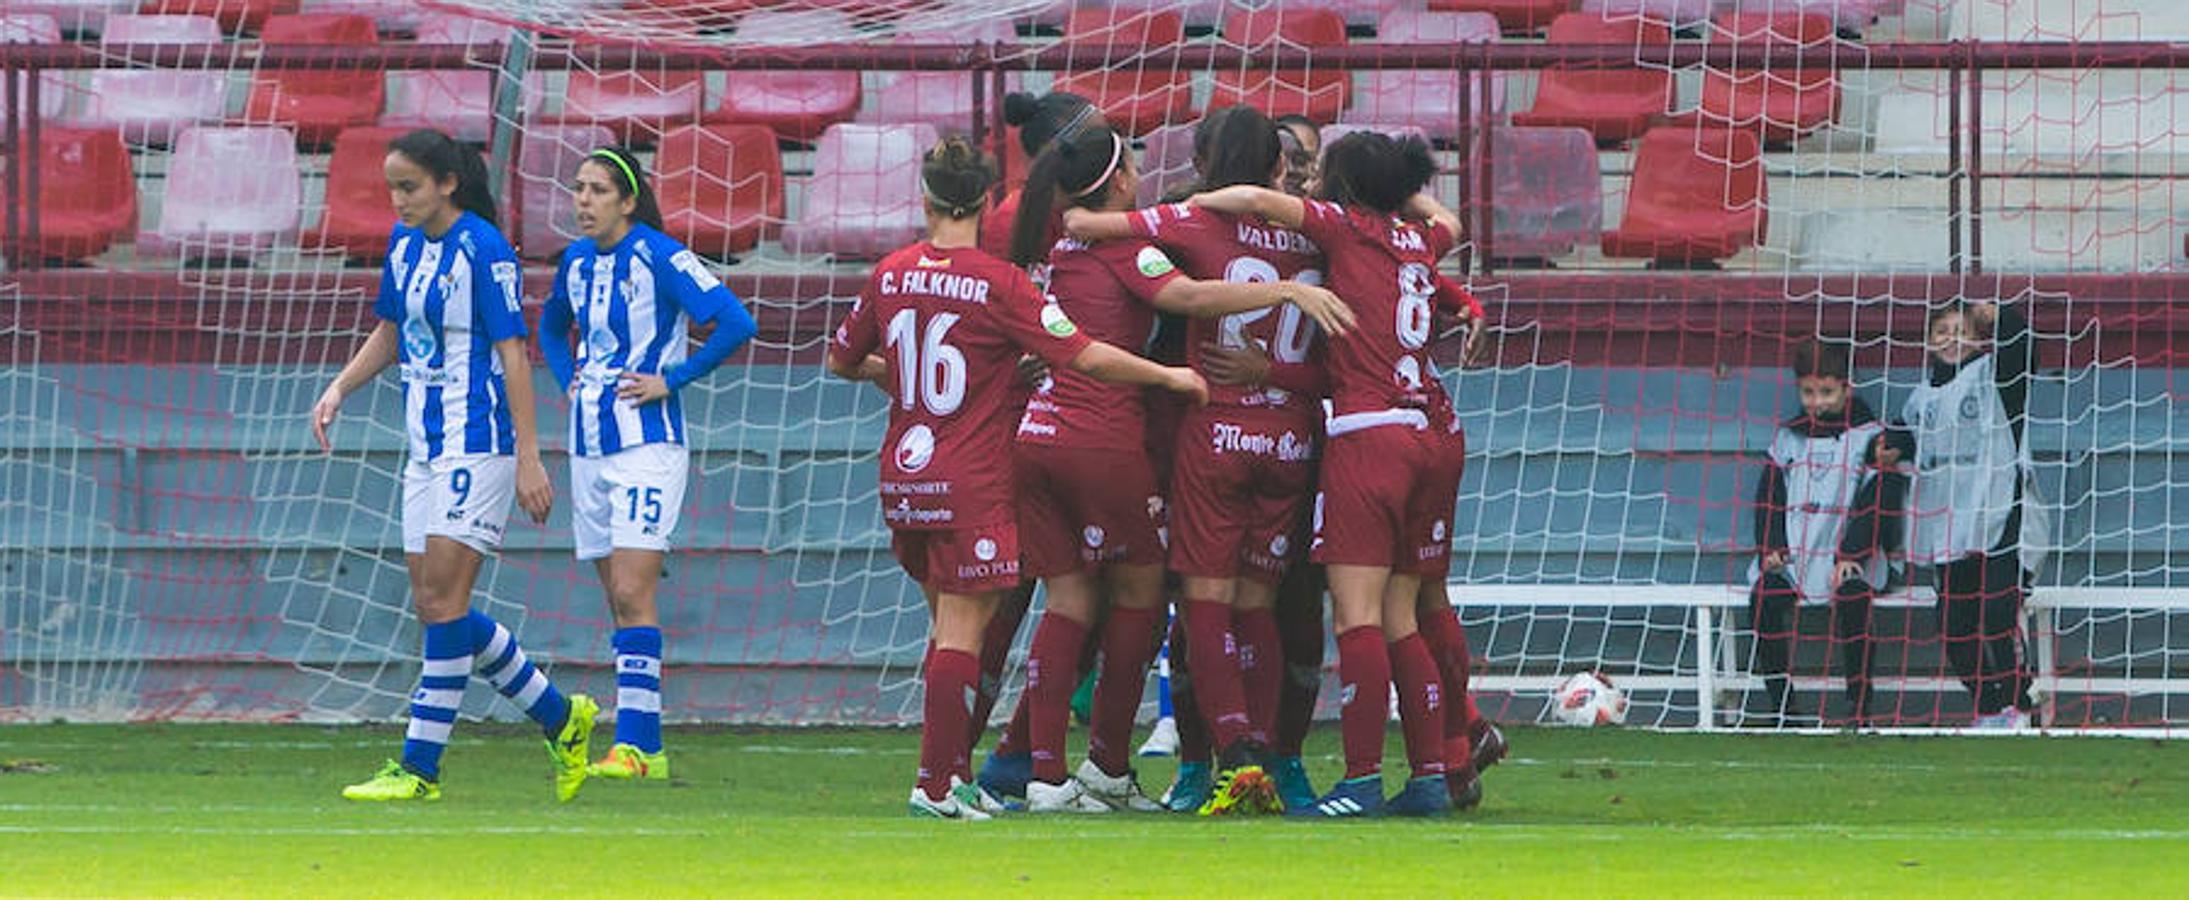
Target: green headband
(629, 176)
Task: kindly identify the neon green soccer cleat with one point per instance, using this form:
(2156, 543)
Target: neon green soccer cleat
(570, 748)
(627, 762)
(1245, 790)
(393, 782)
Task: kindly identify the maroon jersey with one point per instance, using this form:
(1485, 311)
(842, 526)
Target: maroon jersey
(1109, 291)
(951, 324)
(1385, 269)
(1219, 246)
(1456, 299)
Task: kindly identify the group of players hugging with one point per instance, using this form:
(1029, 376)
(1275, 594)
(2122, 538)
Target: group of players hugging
(1305, 445)
(1222, 406)
(1302, 443)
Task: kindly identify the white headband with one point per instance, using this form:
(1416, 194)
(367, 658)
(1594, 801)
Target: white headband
(938, 200)
(1117, 152)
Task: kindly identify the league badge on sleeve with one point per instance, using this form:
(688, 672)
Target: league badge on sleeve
(1057, 323)
(1152, 263)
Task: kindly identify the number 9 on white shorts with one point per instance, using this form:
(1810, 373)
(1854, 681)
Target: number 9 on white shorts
(628, 500)
(463, 498)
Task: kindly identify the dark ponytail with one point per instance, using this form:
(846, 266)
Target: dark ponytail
(1074, 168)
(442, 157)
(1370, 169)
(1042, 119)
(629, 177)
(955, 177)
(1235, 145)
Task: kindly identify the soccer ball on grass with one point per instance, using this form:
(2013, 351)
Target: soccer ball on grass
(1588, 699)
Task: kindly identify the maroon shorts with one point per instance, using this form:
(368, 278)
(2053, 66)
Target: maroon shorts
(960, 560)
(1078, 508)
(1432, 556)
(1374, 507)
(1239, 489)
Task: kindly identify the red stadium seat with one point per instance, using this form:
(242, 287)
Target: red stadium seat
(233, 15)
(798, 105)
(1850, 16)
(459, 103)
(1191, 13)
(941, 99)
(229, 193)
(636, 106)
(698, 13)
(1546, 193)
(1356, 12)
(1697, 196)
(1517, 16)
(1784, 102)
(864, 198)
(1425, 98)
(87, 195)
(1675, 14)
(1134, 100)
(407, 16)
(721, 186)
(1616, 105)
(318, 104)
(358, 214)
(1318, 94)
(151, 105)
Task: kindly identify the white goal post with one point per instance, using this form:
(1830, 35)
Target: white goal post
(1718, 675)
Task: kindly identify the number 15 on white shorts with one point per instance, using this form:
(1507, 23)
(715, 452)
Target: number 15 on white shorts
(628, 500)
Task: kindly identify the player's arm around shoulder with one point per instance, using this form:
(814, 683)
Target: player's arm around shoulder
(1260, 202)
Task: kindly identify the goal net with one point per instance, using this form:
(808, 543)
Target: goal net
(1656, 221)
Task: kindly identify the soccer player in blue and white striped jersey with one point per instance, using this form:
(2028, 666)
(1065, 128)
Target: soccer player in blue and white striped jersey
(630, 293)
(450, 310)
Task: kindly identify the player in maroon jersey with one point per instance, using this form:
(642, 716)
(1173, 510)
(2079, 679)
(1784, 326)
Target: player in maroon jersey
(1245, 461)
(1090, 511)
(940, 325)
(1381, 239)
(1039, 120)
(1465, 730)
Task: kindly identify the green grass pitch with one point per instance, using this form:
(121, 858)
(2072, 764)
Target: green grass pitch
(252, 810)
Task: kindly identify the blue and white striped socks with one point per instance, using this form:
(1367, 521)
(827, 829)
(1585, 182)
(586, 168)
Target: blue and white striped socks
(505, 666)
(638, 687)
(440, 693)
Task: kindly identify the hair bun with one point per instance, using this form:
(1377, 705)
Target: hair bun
(1019, 107)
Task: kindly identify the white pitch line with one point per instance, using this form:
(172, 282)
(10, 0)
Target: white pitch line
(208, 745)
(118, 808)
(390, 831)
(1849, 831)
(825, 751)
(1473, 831)
(1773, 766)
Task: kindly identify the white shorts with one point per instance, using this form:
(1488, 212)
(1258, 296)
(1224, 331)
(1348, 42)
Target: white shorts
(463, 498)
(628, 500)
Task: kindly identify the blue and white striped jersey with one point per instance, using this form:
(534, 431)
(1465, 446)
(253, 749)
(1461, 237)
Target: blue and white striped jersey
(633, 305)
(451, 299)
